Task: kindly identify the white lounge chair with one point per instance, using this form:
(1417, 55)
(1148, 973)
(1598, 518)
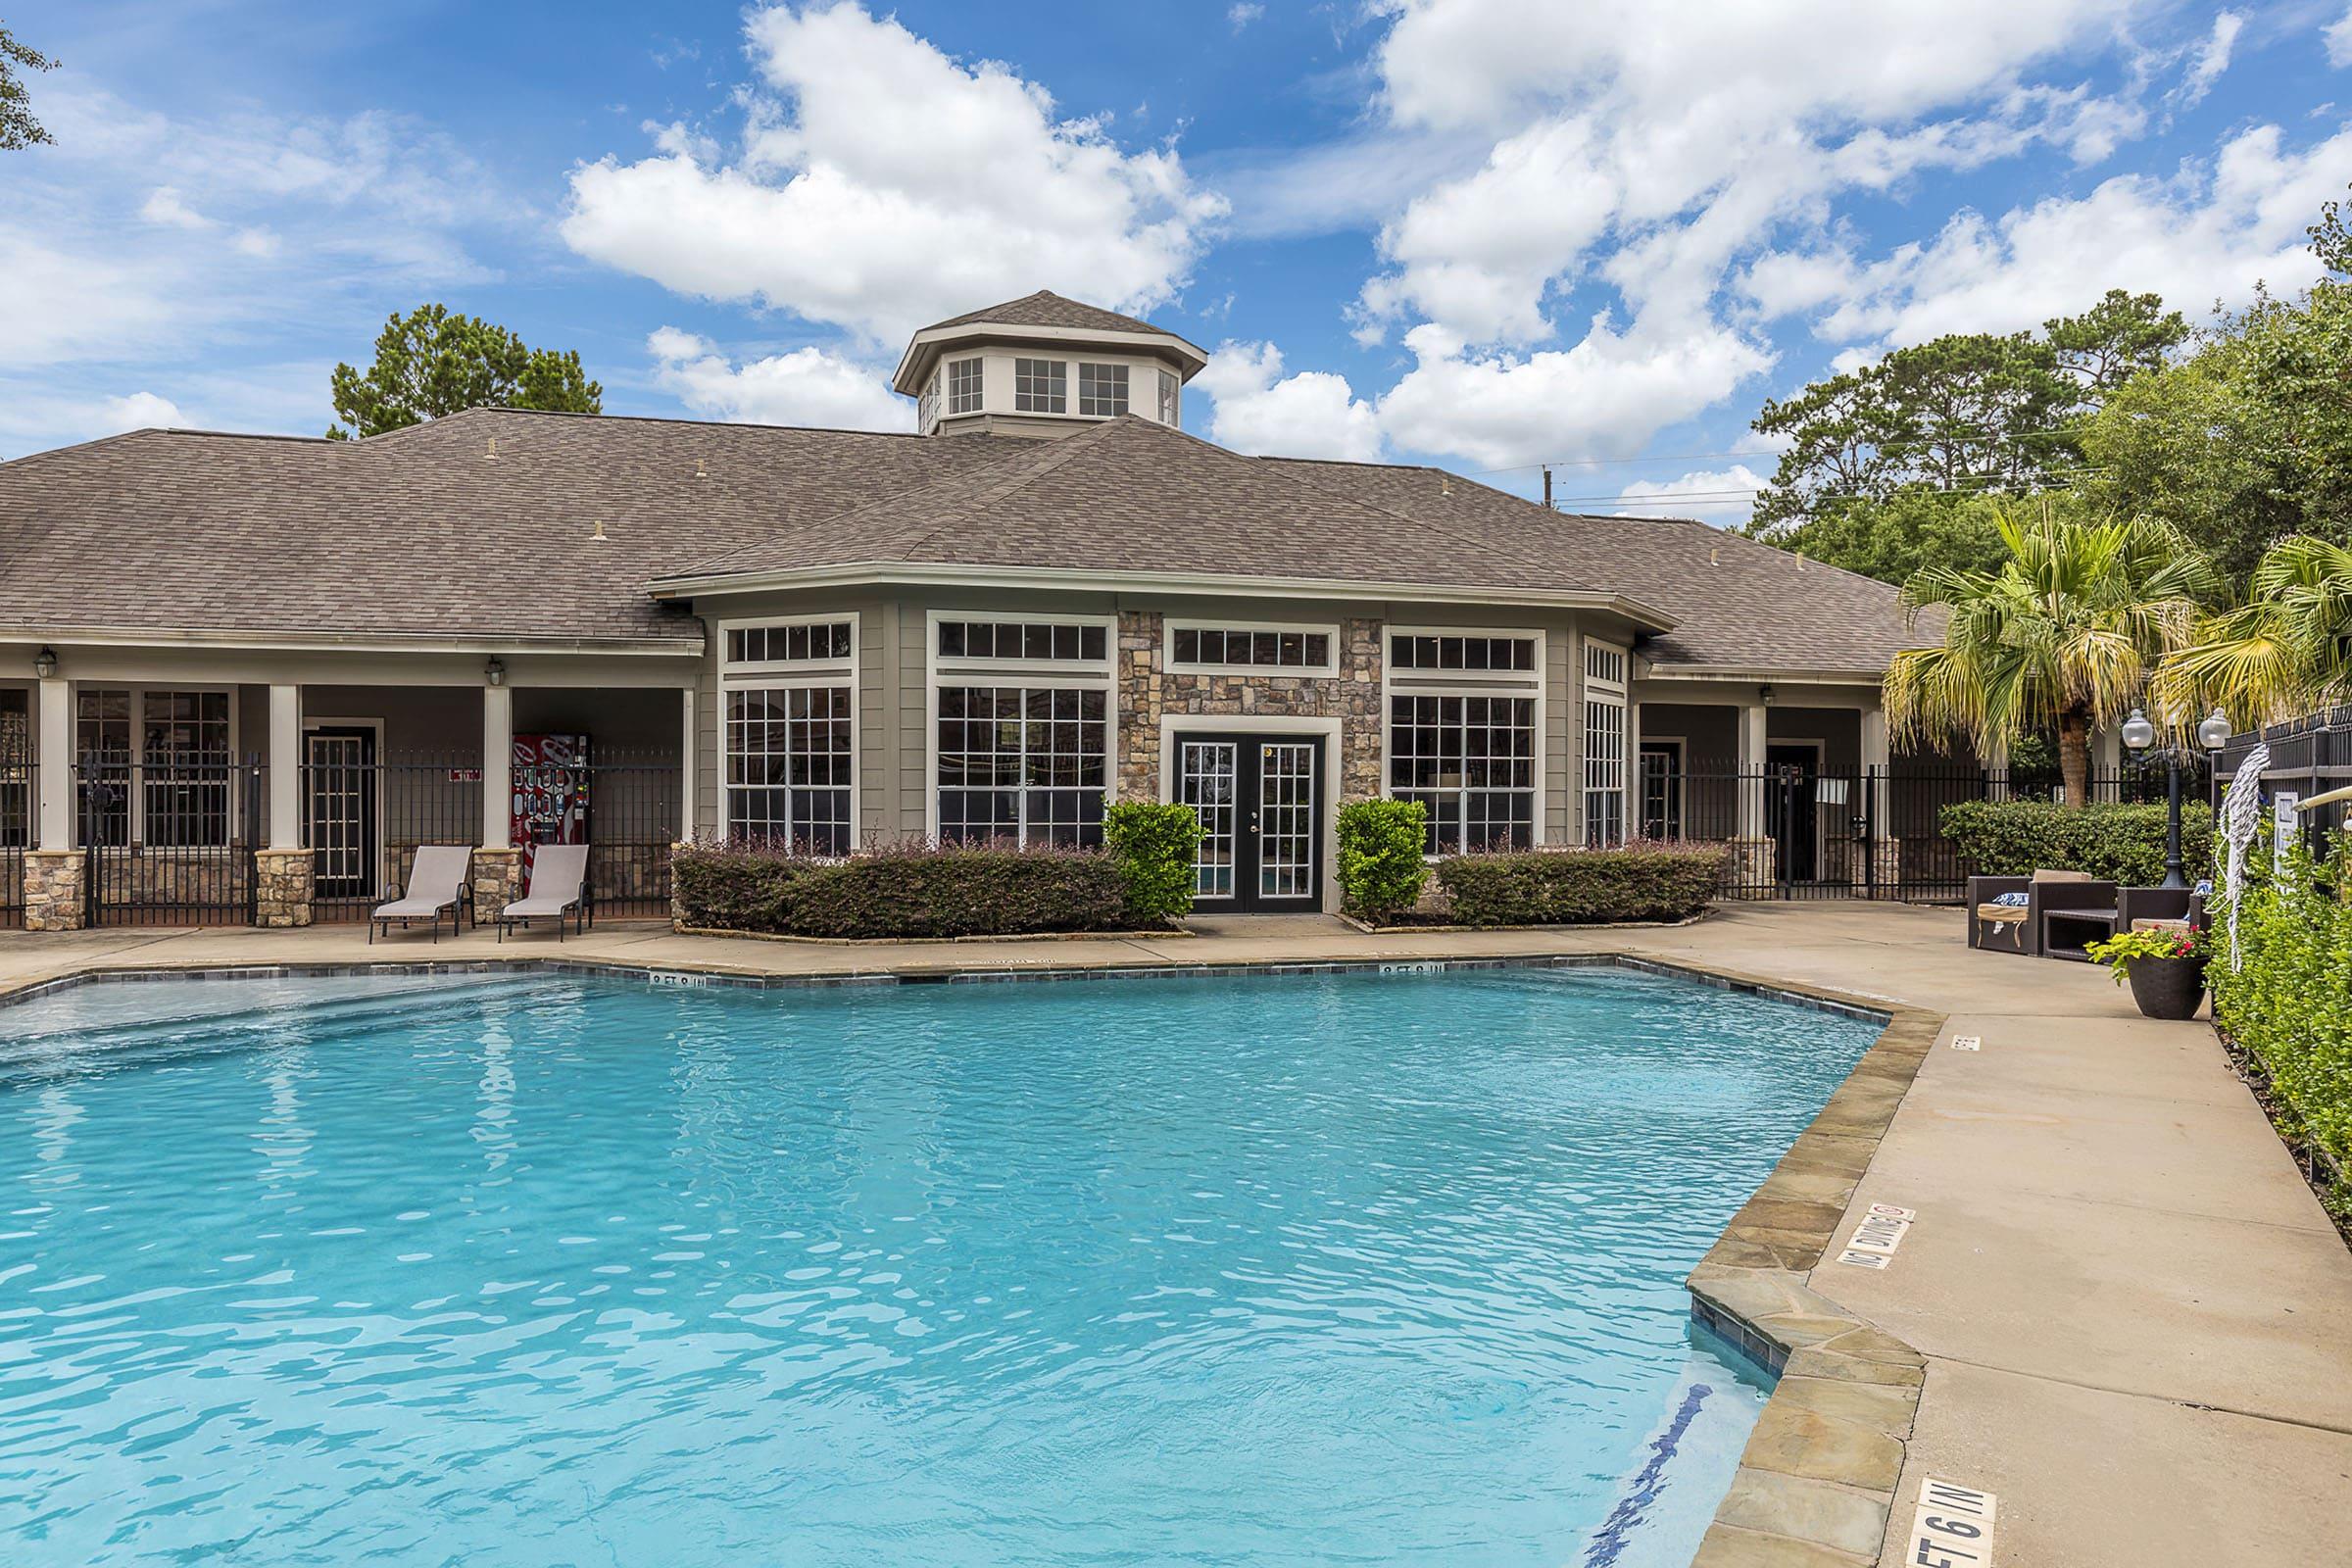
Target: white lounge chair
(436, 883)
(559, 887)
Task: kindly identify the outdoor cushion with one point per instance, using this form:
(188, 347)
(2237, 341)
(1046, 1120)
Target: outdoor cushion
(2014, 900)
(2002, 913)
(2152, 924)
(2061, 876)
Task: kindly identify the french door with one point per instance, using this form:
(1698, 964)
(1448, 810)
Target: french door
(1260, 803)
(340, 805)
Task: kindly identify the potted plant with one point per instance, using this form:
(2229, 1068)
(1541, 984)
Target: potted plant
(2165, 965)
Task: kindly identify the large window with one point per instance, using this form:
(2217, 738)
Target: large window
(1306, 650)
(1041, 386)
(155, 766)
(1604, 745)
(1102, 389)
(963, 386)
(1471, 760)
(1027, 763)
(791, 765)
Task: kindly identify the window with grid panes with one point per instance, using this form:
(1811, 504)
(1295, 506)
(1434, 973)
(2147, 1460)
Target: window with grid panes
(1026, 764)
(1041, 386)
(1102, 389)
(1027, 641)
(791, 765)
(963, 386)
(1471, 762)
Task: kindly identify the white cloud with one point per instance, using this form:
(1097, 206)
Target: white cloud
(139, 410)
(2213, 231)
(2211, 58)
(804, 388)
(1256, 409)
(1603, 397)
(1241, 16)
(846, 206)
(2338, 35)
(164, 206)
(1724, 497)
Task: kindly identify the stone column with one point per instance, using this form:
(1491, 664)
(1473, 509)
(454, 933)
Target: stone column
(497, 881)
(1363, 722)
(54, 895)
(1141, 684)
(53, 782)
(282, 882)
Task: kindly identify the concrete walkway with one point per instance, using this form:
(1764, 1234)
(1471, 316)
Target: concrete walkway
(2137, 1322)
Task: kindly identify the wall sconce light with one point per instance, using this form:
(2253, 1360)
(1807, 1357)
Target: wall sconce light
(44, 662)
(495, 671)
(1765, 692)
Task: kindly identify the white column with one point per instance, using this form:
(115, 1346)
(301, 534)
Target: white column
(1633, 761)
(1877, 753)
(2107, 760)
(54, 781)
(1996, 755)
(1752, 767)
(686, 761)
(285, 767)
(497, 767)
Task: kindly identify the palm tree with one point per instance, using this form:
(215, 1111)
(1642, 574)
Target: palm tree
(2288, 649)
(2063, 634)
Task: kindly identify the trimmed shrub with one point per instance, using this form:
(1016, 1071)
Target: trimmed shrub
(1154, 846)
(2123, 844)
(2289, 1006)
(1578, 887)
(1381, 869)
(910, 892)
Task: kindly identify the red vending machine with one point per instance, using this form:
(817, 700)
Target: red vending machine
(551, 792)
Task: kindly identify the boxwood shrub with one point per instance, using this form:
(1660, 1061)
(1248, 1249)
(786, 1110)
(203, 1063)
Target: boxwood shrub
(1381, 869)
(1575, 887)
(909, 892)
(2123, 844)
(1155, 846)
(2288, 1002)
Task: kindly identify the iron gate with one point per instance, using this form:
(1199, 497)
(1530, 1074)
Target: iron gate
(16, 819)
(1802, 830)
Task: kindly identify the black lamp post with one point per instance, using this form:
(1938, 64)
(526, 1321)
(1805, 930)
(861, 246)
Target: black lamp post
(2139, 734)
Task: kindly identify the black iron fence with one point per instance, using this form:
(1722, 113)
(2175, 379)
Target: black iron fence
(1813, 832)
(365, 815)
(169, 841)
(16, 808)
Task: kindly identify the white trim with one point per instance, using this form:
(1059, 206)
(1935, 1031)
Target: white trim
(981, 333)
(964, 670)
(1171, 724)
(762, 671)
(1171, 624)
(385, 642)
(1230, 585)
(1763, 676)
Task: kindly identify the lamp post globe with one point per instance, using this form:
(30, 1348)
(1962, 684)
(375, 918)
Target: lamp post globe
(2215, 732)
(2138, 733)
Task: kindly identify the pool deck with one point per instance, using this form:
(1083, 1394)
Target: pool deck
(2133, 1320)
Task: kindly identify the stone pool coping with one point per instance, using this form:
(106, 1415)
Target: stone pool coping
(1816, 1483)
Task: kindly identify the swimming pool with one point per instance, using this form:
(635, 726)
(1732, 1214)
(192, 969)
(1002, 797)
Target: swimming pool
(560, 1269)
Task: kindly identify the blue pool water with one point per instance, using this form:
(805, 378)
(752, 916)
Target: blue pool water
(552, 1270)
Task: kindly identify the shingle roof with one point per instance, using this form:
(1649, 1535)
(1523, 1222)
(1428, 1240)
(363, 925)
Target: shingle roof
(423, 531)
(1737, 603)
(1131, 496)
(1044, 308)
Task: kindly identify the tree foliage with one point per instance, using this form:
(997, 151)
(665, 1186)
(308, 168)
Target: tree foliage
(432, 363)
(2286, 650)
(18, 127)
(2063, 635)
(1965, 413)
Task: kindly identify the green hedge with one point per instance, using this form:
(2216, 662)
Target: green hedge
(1381, 869)
(1575, 887)
(1155, 846)
(2290, 1004)
(912, 892)
(2122, 844)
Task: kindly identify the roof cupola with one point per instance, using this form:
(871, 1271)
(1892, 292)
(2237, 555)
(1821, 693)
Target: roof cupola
(1043, 366)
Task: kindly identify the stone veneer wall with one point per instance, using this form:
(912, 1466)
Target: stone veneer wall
(54, 890)
(281, 891)
(1147, 691)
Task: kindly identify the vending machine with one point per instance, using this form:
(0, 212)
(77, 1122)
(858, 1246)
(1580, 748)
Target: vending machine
(551, 792)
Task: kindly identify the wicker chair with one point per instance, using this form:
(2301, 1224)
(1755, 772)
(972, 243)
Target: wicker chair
(2018, 928)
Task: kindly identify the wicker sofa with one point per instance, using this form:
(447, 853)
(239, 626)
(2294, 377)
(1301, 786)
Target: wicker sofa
(2018, 927)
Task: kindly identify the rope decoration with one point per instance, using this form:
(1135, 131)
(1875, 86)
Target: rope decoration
(2241, 820)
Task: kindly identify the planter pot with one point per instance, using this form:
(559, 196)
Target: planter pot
(2168, 988)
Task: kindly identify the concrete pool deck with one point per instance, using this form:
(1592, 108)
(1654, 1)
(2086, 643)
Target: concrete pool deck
(2134, 1320)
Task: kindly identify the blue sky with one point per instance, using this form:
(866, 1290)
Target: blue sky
(1488, 233)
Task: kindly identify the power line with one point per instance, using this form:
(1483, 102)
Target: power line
(1953, 435)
